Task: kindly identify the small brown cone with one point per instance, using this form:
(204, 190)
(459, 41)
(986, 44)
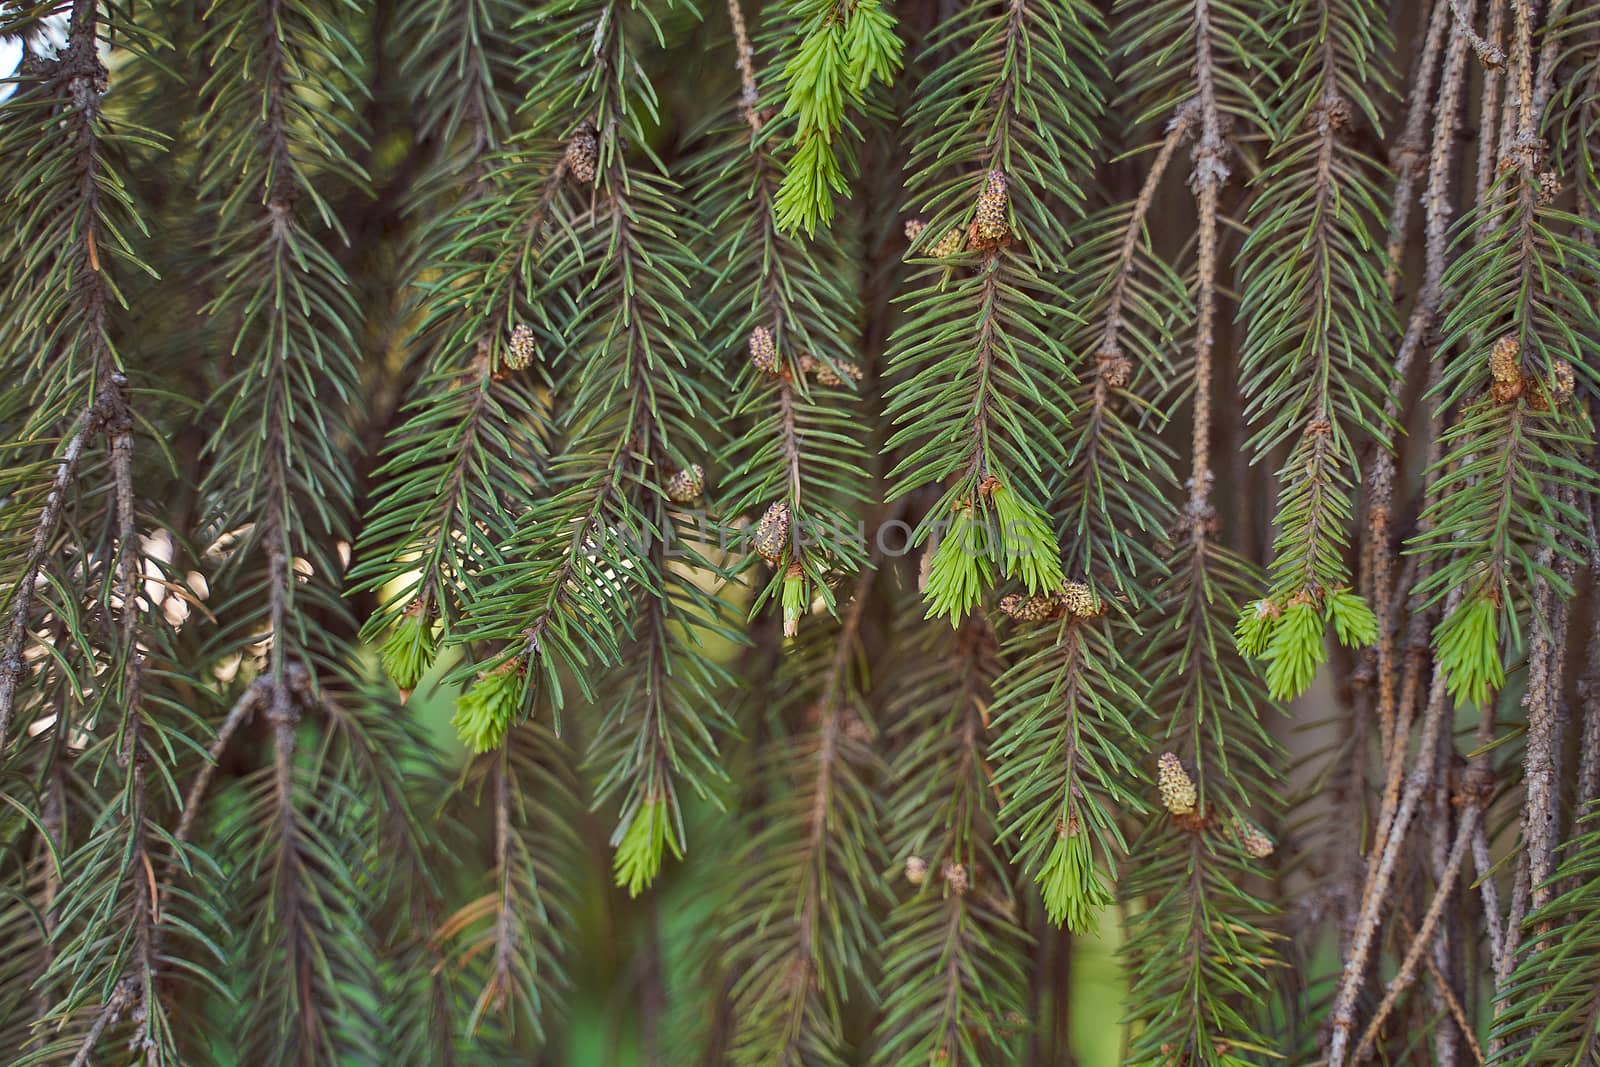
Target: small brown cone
(947, 246)
(914, 228)
(956, 877)
(1080, 600)
(826, 375)
(763, 350)
(520, 349)
(688, 485)
(772, 533)
(1563, 383)
(1505, 360)
(583, 152)
(1038, 608)
(1115, 368)
(1253, 839)
(989, 224)
(1177, 788)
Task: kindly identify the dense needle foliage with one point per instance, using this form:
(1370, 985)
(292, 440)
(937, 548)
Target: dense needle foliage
(778, 524)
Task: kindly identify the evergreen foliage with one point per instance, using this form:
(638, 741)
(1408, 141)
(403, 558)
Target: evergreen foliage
(777, 527)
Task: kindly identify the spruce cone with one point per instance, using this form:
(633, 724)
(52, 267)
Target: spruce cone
(826, 375)
(1505, 360)
(955, 876)
(763, 350)
(772, 534)
(916, 870)
(1563, 383)
(1253, 839)
(1177, 788)
(989, 225)
(1041, 607)
(687, 486)
(583, 151)
(520, 350)
(1080, 600)
(1115, 368)
(914, 228)
(947, 246)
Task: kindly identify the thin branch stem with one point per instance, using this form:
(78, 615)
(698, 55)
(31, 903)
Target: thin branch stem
(1420, 944)
(12, 665)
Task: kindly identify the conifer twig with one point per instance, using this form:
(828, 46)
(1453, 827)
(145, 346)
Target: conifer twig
(1375, 892)
(1420, 944)
(251, 700)
(12, 665)
(1210, 171)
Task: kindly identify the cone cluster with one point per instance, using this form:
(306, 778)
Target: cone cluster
(1073, 598)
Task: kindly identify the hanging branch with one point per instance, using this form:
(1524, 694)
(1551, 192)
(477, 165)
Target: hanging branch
(1315, 306)
(471, 456)
(980, 364)
(954, 953)
(787, 309)
(802, 917)
(1199, 947)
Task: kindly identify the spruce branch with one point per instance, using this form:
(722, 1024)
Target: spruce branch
(954, 948)
(802, 915)
(1314, 301)
(785, 309)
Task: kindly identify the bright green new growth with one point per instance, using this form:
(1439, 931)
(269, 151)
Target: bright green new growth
(1028, 545)
(486, 709)
(1467, 642)
(643, 845)
(409, 650)
(843, 49)
(1292, 641)
(1009, 536)
(962, 570)
(1353, 621)
(1295, 651)
(794, 602)
(1071, 885)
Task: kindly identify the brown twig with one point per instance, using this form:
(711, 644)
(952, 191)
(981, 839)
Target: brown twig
(1210, 172)
(1420, 944)
(1376, 889)
(12, 665)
